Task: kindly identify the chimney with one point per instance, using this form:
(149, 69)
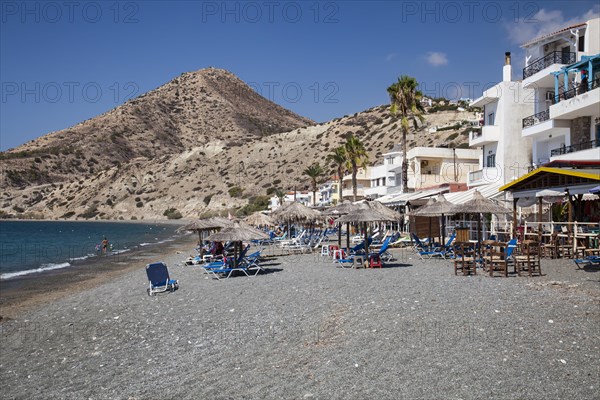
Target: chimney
(507, 69)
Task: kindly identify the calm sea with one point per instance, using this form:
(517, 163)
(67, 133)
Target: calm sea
(28, 247)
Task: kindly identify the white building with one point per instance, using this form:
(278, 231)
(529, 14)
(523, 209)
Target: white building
(385, 178)
(505, 155)
(565, 121)
(434, 166)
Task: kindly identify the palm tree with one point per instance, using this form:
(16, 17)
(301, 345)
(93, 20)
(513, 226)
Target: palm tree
(314, 172)
(338, 157)
(280, 194)
(405, 102)
(356, 157)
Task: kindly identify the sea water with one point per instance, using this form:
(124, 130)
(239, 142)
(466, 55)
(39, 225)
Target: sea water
(28, 247)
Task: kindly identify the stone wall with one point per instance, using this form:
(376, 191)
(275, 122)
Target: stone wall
(580, 130)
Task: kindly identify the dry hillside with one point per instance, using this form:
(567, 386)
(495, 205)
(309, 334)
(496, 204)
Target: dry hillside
(204, 141)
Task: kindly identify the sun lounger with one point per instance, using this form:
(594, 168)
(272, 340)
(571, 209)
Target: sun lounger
(589, 261)
(159, 280)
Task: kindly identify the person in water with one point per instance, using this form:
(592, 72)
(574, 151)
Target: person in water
(105, 245)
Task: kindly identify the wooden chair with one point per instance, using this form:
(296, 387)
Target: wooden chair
(550, 249)
(464, 259)
(529, 259)
(497, 259)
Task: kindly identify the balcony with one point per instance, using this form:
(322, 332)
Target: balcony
(488, 134)
(484, 176)
(581, 151)
(555, 57)
(347, 193)
(576, 102)
(536, 118)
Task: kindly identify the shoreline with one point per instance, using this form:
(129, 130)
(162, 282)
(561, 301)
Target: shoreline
(181, 221)
(26, 292)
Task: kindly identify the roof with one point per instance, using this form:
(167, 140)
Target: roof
(548, 177)
(488, 191)
(403, 198)
(540, 38)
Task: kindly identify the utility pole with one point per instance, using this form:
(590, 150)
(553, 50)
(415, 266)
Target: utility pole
(454, 151)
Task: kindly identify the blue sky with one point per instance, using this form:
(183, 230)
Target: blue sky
(64, 62)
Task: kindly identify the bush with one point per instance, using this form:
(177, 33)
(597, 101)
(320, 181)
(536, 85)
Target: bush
(139, 204)
(452, 137)
(18, 209)
(68, 214)
(255, 203)
(235, 191)
(207, 199)
(172, 213)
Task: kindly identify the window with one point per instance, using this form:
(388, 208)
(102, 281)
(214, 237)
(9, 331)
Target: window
(491, 161)
(581, 44)
(491, 119)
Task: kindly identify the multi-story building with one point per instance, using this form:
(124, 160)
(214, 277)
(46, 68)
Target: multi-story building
(385, 178)
(563, 70)
(362, 182)
(504, 154)
(429, 167)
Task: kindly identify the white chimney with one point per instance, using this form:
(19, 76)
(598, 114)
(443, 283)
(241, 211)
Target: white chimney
(507, 69)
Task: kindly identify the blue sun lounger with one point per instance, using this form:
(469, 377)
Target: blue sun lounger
(590, 261)
(159, 280)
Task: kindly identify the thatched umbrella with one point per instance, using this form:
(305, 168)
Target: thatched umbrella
(365, 215)
(296, 212)
(394, 215)
(259, 219)
(206, 225)
(238, 233)
(479, 205)
(440, 207)
(346, 207)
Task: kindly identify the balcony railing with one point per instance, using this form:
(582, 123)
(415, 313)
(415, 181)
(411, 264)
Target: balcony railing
(569, 94)
(555, 57)
(475, 175)
(575, 147)
(476, 134)
(536, 118)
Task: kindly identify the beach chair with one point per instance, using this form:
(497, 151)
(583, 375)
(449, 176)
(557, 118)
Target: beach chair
(224, 264)
(383, 254)
(589, 261)
(159, 280)
(423, 250)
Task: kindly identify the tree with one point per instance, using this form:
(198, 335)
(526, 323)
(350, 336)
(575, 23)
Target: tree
(338, 158)
(405, 103)
(314, 172)
(280, 194)
(356, 157)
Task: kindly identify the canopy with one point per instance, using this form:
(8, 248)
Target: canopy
(259, 219)
(296, 212)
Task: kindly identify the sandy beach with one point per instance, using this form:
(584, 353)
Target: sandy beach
(306, 329)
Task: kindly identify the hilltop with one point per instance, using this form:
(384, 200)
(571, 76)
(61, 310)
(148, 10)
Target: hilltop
(203, 142)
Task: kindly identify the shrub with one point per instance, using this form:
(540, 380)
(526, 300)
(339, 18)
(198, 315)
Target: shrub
(172, 213)
(207, 199)
(18, 209)
(139, 204)
(235, 191)
(452, 137)
(68, 214)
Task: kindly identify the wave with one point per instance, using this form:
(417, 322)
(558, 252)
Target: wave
(44, 267)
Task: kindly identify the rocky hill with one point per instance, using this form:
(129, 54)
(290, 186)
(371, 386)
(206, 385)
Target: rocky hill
(204, 141)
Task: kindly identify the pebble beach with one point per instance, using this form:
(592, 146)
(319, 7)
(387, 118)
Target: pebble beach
(308, 329)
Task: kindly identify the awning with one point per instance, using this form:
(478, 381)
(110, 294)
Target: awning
(489, 191)
(558, 179)
(403, 198)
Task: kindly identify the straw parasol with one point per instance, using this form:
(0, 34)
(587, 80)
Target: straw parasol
(439, 208)
(296, 212)
(205, 225)
(480, 205)
(259, 219)
(237, 233)
(365, 215)
(394, 215)
(344, 208)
